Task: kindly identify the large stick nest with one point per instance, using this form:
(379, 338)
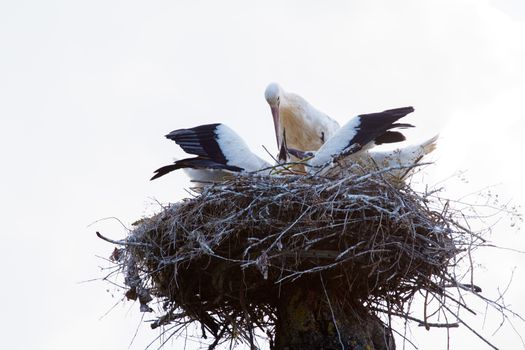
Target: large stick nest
(223, 257)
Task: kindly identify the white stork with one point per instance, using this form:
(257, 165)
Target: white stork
(307, 129)
(353, 141)
(402, 158)
(360, 134)
(219, 151)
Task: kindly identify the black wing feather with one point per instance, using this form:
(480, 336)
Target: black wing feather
(375, 127)
(201, 141)
(389, 137)
(193, 163)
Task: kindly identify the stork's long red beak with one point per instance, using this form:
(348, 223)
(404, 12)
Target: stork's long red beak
(276, 124)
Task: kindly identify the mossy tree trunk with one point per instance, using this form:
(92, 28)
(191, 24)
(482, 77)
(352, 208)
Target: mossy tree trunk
(306, 322)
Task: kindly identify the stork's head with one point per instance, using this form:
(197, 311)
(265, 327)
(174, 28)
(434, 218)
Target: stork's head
(272, 94)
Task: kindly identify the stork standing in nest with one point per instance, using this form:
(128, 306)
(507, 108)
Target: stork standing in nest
(307, 128)
(219, 152)
(361, 133)
(352, 143)
(301, 130)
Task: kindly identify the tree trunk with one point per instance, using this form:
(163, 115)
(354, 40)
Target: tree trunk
(306, 322)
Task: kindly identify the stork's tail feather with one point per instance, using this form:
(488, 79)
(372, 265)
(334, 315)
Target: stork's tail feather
(425, 148)
(429, 145)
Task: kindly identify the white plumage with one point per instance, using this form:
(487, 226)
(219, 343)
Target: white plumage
(219, 152)
(236, 151)
(403, 158)
(400, 160)
(307, 128)
(336, 144)
(203, 177)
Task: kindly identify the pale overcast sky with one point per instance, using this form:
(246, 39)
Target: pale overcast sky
(89, 88)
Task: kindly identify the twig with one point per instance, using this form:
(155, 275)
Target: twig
(123, 242)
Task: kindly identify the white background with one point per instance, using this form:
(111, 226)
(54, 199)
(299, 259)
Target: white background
(89, 88)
